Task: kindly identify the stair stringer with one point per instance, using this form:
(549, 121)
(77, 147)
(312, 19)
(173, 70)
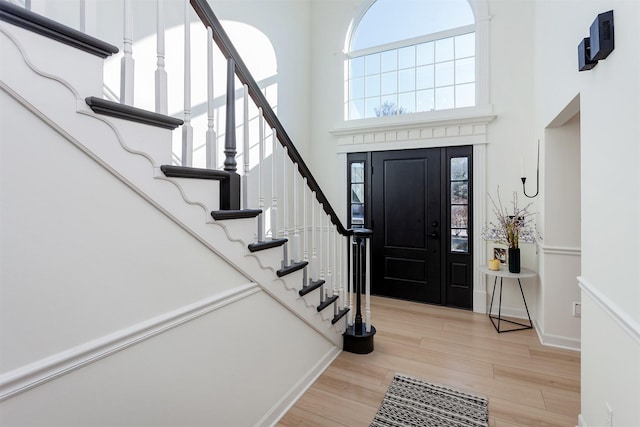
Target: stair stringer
(102, 139)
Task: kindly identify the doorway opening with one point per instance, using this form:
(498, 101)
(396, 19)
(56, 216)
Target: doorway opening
(418, 204)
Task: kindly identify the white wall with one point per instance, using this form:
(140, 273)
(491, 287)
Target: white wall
(508, 137)
(609, 132)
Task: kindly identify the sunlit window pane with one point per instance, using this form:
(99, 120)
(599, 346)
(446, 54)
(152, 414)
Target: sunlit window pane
(444, 74)
(357, 172)
(465, 45)
(425, 77)
(372, 86)
(424, 100)
(407, 102)
(356, 88)
(390, 60)
(466, 95)
(370, 105)
(356, 67)
(465, 70)
(444, 98)
(444, 50)
(425, 53)
(372, 64)
(407, 80)
(390, 83)
(390, 103)
(357, 193)
(459, 169)
(407, 57)
(356, 109)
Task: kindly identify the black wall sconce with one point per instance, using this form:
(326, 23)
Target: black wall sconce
(599, 44)
(524, 179)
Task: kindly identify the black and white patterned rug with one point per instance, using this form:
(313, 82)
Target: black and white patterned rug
(413, 402)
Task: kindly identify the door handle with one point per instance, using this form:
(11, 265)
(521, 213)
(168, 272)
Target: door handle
(434, 234)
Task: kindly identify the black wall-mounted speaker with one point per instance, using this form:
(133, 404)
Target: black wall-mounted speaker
(601, 35)
(584, 56)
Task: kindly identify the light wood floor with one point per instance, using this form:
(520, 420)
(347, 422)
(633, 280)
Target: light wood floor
(527, 384)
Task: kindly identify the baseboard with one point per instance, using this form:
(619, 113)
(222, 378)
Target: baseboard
(29, 376)
(581, 421)
(558, 341)
(279, 410)
(480, 302)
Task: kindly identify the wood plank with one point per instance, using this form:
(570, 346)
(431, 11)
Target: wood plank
(527, 383)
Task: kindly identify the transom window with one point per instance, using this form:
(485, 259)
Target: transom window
(410, 57)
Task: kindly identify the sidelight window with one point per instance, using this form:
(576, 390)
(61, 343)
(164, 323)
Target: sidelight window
(357, 193)
(459, 203)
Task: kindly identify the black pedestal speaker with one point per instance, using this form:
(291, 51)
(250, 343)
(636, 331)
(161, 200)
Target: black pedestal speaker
(601, 35)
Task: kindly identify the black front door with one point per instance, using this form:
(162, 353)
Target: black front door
(420, 215)
(407, 216)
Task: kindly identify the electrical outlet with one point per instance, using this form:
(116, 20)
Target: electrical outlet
(609, 416)
(577, 309)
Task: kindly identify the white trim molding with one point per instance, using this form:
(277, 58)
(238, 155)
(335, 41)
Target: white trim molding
(557, 341)
(37, 373)
(630, 326)
(559, 250)
(281, 408)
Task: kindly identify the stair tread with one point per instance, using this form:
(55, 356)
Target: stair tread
(291, 268)
(267, 244)
(327, 302)
(134, 114)
(235, 214)
(39, 24)
(312, 286)
(173, 171)
(340, 315)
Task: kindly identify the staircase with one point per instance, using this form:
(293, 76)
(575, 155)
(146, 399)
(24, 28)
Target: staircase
(284, 298)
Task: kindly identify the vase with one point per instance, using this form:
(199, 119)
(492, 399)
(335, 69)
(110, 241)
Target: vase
(514, 260)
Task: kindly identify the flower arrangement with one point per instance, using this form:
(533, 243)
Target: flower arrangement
(511, 228)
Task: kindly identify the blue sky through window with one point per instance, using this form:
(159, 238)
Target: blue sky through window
(388, 21)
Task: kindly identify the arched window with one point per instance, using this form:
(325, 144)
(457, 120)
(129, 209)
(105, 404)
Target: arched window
(411, 56)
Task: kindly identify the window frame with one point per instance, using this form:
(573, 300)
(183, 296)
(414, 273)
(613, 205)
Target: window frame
(431, 37)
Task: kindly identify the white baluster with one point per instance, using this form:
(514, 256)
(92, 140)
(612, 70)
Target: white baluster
(314, 252)
(89, 17)
(187, 130)
(261, 171)
(127, 63)
(27, 4)
(83, 23)
(161, 73)
(321, 241)
(285, 206)
(274, 186)
(296, 234)
(305, 230)
(367, 305)
(245, 147)
(211, 138)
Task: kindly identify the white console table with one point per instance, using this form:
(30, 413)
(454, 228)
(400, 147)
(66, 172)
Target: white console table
(502, 274)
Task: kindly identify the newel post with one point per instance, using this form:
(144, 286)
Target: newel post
(358, 338)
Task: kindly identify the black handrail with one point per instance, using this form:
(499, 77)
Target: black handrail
(223, 41)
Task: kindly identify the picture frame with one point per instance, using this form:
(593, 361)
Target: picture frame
(501, 254)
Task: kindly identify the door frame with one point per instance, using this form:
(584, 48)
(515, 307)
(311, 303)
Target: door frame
(479, 199)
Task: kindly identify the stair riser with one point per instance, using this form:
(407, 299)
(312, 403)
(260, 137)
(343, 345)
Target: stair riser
(203, 191)
(44, 54)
